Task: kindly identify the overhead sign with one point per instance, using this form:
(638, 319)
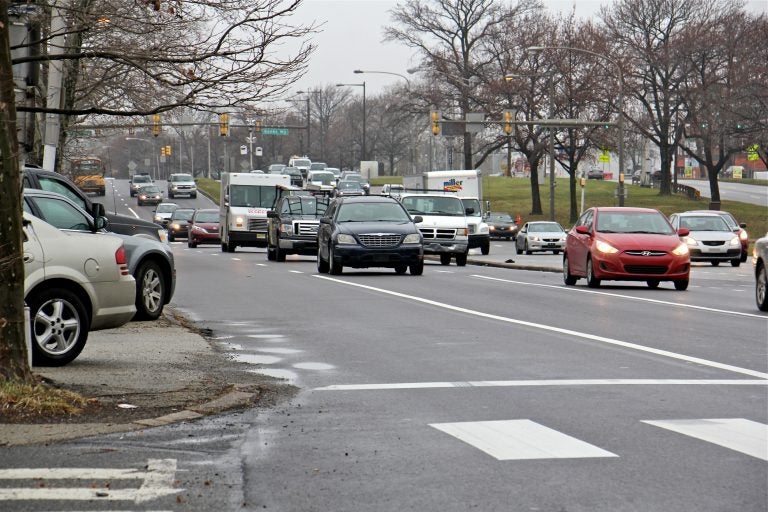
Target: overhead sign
(274, 131)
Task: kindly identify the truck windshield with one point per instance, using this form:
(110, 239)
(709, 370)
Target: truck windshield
(432, 205)
(255, 196)
(474, 204)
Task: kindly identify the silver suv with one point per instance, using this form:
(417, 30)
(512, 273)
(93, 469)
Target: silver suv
(181, 184)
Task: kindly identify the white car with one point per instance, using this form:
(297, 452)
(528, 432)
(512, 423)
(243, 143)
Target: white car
(73, 283)
(710, 239)
(537, 236)
(163, 212)
(180, 184)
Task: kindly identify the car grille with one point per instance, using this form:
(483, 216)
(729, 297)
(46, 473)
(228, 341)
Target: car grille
(257, 224)
(182, 187)
(380, 240)
(305, 228)
(438, 234)
(713, 243)
(646, 269)
(551, 240)
(646, 253)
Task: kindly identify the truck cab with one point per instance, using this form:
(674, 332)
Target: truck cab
(444, 225)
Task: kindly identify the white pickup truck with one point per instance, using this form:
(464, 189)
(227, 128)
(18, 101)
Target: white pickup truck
(445, 224)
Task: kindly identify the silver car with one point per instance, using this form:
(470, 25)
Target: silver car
(162, 213)
(74, 283)
(710, 239)
(760, 264)
(180, 184)
(538, 236)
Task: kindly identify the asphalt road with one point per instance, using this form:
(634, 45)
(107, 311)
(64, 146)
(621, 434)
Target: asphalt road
(466, 388)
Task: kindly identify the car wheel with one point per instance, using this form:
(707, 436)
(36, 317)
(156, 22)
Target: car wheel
(568, 278)
(401, 269)
(270, 253)
(194, 196)
(555, 252)
(228, 247)
(59, 326)
(322, 265)
(518, 249)
(715, 263)
(592, 281)
(417, 268)
(485, 249)
(653, 283)
(335, 268)
(743, 256)
(170, 196)
(525, 248)
(191, 244)
(150, 291)
(761, 285)
(681, 284)
(461, 259)
(736, 262)
(171, 238)
(445, 259)
(279, 254)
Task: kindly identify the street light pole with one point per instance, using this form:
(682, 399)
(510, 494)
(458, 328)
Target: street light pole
(309, 122)
(360, 71)
(364, 152)
(552, 183)
(621, 105)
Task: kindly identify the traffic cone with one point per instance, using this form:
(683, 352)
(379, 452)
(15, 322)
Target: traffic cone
(518, 220)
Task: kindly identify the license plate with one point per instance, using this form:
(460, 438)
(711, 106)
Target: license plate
(714, 249)
(261, 235)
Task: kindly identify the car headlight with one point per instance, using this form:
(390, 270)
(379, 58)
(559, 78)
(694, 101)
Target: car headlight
(413, 238)
(735, 242)
(491, 228)
(743, 235)
(690, 241)
(535, 238)
(286, 228)
(163, 235)
(238, 222)
(681, 250)
(175, 226)
(605, 247)
(342, 238)
(158, 219)
(484, 229)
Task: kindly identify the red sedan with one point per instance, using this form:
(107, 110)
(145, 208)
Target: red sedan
(629, 244)
(204, 228)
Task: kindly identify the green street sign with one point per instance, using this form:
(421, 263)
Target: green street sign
(274, 131)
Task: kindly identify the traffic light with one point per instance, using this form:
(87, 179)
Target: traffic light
(507, 122)
(434, 117)
(167, 150)
(258, 126)
(224, 125)
(155, 124)
(162, 150)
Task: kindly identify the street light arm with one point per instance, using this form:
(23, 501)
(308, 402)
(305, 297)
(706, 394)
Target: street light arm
(359, 71)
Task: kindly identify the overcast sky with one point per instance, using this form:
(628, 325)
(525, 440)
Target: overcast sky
(352, 33)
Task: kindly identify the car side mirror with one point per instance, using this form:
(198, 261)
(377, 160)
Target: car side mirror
(324, 220)
(418, 219)
(100, 222)
(271, 214)
(470, 211)
(97, 210)
(683, 232)
(743, 225)
(582, 230)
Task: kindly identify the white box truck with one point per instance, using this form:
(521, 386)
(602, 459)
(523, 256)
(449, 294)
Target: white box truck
(468, 185)
(244, 201)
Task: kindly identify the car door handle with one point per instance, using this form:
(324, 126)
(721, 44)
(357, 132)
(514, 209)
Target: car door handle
(28, 257)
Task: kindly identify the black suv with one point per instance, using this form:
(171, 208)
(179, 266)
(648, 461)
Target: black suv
(293, 226)
(33, 177)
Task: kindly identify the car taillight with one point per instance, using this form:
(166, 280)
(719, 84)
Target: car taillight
(122, 261)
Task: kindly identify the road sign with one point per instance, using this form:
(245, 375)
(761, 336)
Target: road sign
(752, 154)
(243, 150)
(604, 157)
(274, 131)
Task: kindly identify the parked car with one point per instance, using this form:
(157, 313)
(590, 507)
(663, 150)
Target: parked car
(629, 244)
(204, 228)
(150, 262)
(540, 236)
(293, 225)
(760, 265)
(36, 178)
(149, 194)
(348, 188)
(178, 225)
(74, 283)
(595, 174)
(369, 231)
(137, 181)
(502, 225)
(710, 238)
(737, 227)
(180, 184)
(163, 213)
(637, 177)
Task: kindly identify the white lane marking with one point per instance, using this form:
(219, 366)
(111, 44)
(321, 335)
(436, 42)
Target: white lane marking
(235, 259)
(559, 330)
(157, 481)
(262, 265)
(264, 336)
(630, 297)
(133, 212)
(313, 366)
(295, 271)
(739, 434)
(520, 440)
(288, 375)
(535, 383)
(256, 359)
(278, 350)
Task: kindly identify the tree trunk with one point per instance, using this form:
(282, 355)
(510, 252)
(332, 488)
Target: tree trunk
(13, 350)
(535, 193)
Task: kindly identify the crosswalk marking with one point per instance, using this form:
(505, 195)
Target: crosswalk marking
(739, 434)
(520, 440)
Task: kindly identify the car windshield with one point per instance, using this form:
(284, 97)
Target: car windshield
(709, 223)
(348, 185)
(150, 189)
(302, 163)
(544, 227)
(207, 217)
(142, 179)
(304, 205)
(181, 177)
(183, 214)
(501, 217)
(353, 177)
(166, 208)
(326, 178)
(292, 171)
(262, 196)
(372, 212)
(475, 205)
(633, 222)
(418, 205)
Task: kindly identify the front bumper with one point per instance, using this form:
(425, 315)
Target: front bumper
(305, 246)
(697, 254)
(248, 238)
(446, 247)
(205, 238)
(479, 241)
(357, 256)
(543, 245)
(627, 267)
